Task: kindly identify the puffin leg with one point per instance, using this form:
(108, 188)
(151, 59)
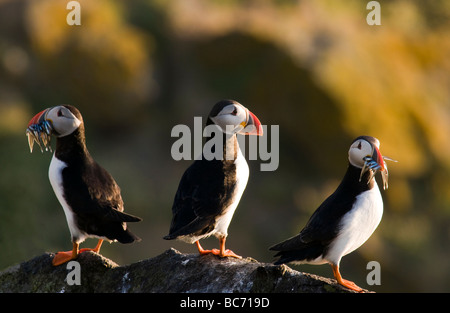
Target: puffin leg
(96, 249)
(66, 256)
(201, 250)
(224, 252)
(346, 283)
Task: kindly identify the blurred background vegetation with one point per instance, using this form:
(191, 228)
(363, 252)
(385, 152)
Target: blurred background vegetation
(137, 68)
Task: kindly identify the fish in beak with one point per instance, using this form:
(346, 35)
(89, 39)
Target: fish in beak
(375, 163)
(39, 130)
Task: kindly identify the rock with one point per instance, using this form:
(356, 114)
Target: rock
(170, 272)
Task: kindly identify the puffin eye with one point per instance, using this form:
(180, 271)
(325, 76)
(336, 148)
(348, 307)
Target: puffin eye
(359, 145)
(234, 112)
(60, 113)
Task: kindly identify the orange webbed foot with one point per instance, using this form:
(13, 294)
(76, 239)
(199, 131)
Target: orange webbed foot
(204, 252)
(201, 250)
(222, 252)
(63, 257)
(350, 285)
(225, 253)
(96, 249)
(86, 249)
(346, 283)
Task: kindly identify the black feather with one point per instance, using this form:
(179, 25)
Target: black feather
(324, 225)
(91, 192)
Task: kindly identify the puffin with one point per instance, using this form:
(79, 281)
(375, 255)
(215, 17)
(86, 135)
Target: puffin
(211, 188)
(89, 195)
(347, 218)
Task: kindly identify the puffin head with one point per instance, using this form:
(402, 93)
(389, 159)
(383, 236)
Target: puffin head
(233, 118)
(364, 153)
(60, 121)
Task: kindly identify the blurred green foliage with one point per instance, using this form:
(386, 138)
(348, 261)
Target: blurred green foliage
(137, 68)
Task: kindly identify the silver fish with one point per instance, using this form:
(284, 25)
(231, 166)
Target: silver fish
(372, 166)
(41, 134)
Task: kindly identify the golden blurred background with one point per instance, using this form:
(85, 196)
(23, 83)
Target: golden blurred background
(137, 68)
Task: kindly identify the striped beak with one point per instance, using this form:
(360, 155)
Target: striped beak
(376, 163)
(39, 130)
(252, 126)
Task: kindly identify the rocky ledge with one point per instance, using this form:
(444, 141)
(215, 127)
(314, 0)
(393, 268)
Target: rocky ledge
(170, 272)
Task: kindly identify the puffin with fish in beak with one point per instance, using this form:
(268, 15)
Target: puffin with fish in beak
(211, 188)
(89, 195)
(347, 218)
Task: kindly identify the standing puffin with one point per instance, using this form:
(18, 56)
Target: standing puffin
(89, 195)
(347, 218)
(210, 189)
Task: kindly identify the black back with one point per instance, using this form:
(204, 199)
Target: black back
(324, 224)
(91, 191)
(206, 189)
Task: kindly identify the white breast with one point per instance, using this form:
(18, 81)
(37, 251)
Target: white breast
(242, 174)
(56, 180)
(358, 224)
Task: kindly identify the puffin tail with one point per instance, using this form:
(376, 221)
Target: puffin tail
(292, 250)
(287, 257)
(118, 216)
(127, 237)
(198, 227)
(169, 237)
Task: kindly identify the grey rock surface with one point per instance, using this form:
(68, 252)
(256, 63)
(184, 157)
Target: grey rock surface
(170, 272)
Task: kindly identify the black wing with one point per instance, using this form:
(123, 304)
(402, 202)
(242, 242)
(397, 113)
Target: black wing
(322, 227)
(96, 199)
(202, 195)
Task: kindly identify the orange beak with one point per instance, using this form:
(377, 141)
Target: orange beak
(39, 130)
(38, 118)
(252, 126)
(377, 157)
